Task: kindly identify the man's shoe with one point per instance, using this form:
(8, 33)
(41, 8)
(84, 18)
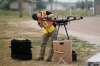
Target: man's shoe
(48, 60)
(39, 59)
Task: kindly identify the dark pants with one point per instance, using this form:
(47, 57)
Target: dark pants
(52, 36)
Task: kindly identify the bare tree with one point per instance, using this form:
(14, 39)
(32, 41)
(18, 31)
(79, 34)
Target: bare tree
(20, 8)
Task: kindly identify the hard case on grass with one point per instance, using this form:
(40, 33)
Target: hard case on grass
(21, 49)
(62, 51)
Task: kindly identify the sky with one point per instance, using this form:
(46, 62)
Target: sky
(67, 0)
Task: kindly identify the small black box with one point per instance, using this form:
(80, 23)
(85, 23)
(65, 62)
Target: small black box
(21, 49)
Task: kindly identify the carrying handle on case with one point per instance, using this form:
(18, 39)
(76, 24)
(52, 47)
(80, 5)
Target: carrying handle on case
(61, 43)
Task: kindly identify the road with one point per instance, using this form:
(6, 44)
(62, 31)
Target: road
(87, 29)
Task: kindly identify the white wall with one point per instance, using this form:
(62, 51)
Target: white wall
(14, 5)
(56, 7)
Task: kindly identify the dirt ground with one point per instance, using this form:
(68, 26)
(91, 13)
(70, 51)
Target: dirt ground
(11, 30)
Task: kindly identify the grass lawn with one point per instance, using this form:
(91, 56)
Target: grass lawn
(11, 16)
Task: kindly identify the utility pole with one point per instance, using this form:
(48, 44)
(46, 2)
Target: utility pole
(86, 6)
(20, 6)
(51, 4)
(86, 1)
(56, 4)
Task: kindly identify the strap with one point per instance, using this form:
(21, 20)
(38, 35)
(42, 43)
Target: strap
(43, 13)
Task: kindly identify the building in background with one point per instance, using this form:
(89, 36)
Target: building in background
(28, 6)
(60, 6)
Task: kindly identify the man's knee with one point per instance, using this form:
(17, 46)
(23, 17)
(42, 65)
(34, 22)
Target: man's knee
(43, 45)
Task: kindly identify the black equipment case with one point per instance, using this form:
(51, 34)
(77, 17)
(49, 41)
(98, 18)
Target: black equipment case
(21, 49)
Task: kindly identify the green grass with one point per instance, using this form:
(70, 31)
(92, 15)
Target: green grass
(83, 49)
(11, 13)
(8, 13)
(7, 16)
(79, 44)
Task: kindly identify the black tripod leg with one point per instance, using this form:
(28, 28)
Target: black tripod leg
(66, 32)
(58, 30)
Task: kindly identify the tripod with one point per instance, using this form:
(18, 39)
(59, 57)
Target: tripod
(65, 27)
(65, 22)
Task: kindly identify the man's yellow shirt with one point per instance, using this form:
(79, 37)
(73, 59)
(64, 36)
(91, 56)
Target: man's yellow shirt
(48, 30)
